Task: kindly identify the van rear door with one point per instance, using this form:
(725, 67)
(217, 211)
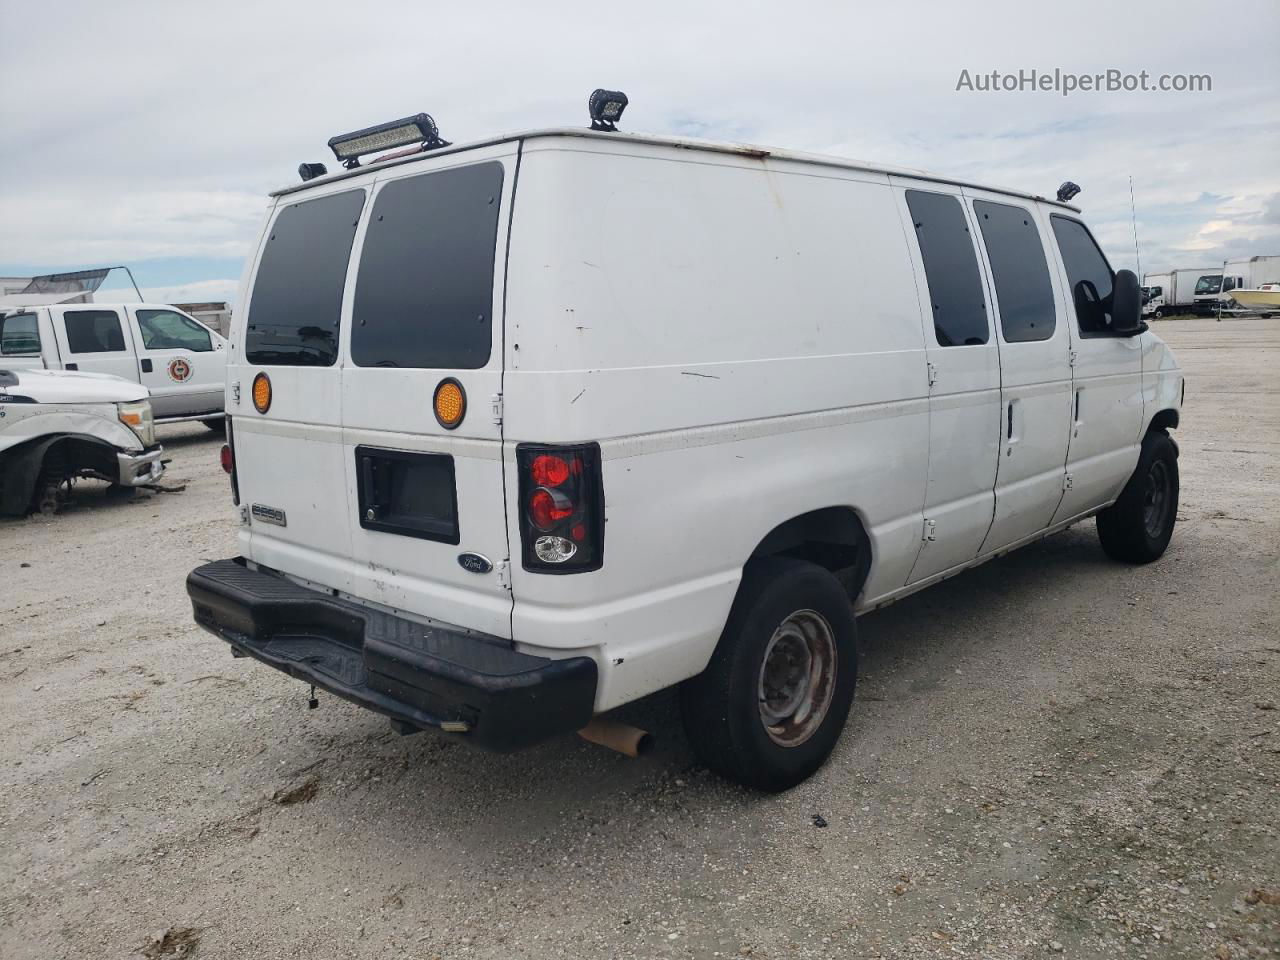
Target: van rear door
(428, 518)
(290, 469)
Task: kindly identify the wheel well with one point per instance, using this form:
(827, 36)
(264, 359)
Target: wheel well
(833, 538)
(1164, 420)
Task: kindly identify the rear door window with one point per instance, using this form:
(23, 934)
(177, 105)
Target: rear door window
(19, 335)
(167, 330)
(424, 293)
(951, 268)
(1088, 273)
(297, 293)
(1020, 271)
(94, 331)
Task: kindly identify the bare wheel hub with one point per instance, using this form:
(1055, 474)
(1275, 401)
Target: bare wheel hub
(797, 678)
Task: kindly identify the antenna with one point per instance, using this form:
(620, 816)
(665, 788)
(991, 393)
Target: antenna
(1133, 212)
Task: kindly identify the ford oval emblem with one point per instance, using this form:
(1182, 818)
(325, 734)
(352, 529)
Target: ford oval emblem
(474, 563)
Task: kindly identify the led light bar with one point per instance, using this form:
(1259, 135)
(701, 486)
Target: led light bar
(605, 107)
(350, 147)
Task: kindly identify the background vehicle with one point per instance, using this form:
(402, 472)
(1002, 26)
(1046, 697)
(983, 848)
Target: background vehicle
(58, 426)
(176, 357)
(1247, 273)
(1186, 290)
(673, 336)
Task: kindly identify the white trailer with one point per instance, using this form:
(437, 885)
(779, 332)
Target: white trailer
(1246, 273)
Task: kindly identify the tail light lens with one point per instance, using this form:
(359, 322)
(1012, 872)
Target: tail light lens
(561, 508)
(229, 463)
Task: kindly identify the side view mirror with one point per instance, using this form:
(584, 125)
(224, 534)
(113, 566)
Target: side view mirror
(1126, 305)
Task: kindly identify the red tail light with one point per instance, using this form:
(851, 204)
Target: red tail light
(228, 458)
(561, 508)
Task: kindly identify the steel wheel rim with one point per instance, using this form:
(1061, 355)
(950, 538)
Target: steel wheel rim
(797, 678)
(1156, 499)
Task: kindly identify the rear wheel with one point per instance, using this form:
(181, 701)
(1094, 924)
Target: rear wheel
(770, 706)
(1138, 526)
(218, 425)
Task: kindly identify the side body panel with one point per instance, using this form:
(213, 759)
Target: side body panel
(743, 338)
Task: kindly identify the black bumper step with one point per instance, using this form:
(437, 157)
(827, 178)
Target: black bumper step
(420, 676)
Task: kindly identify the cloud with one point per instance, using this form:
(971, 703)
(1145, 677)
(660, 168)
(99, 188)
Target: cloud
(199, 292)
(144, 130)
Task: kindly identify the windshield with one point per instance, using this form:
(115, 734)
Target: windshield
(1208, 285)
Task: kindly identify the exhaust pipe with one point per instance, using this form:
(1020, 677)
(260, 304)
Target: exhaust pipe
(626, 739)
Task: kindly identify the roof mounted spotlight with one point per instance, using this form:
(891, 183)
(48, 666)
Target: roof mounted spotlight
(606, 108)
(1067, 191)
(309, 171)
(350, 147)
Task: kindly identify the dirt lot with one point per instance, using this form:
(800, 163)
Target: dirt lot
(1050, 756)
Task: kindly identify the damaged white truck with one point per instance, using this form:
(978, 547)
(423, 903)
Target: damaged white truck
(57, 427)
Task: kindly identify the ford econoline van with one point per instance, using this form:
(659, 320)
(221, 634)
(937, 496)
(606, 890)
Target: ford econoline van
(525, 429)
(180, 361)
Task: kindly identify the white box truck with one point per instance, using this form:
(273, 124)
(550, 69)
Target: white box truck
(1185, 290)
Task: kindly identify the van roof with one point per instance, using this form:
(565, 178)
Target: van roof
(684, 143)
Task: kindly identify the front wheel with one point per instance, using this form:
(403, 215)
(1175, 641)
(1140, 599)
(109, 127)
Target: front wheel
(770, 706)
(1138, 526)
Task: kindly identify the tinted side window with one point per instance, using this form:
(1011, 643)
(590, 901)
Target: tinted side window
(1088, 273)
(19, 335)
(1021, 273)
(94, 331)
(951, 268)
(297, 293)
(166, 330)
(425, 287)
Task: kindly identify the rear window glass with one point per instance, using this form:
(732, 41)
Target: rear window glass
(297, 293)
(951, 269)
(424, 293)
(19, 335)
(1021, 272)
(167, 330)
(94, 331)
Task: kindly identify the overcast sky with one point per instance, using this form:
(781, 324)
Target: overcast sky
(150, 133)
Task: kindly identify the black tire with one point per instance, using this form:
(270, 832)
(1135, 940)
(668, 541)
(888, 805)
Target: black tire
(1138, 526)
(218, 426)
(1159, 313)
(722, 707)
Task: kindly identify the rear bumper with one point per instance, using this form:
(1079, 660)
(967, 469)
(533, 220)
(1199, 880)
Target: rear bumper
(420, 676)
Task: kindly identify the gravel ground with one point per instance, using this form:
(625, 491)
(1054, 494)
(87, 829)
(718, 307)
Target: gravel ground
(1052, 755)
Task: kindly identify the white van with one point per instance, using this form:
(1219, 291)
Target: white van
(176, 357)
(529, 428)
